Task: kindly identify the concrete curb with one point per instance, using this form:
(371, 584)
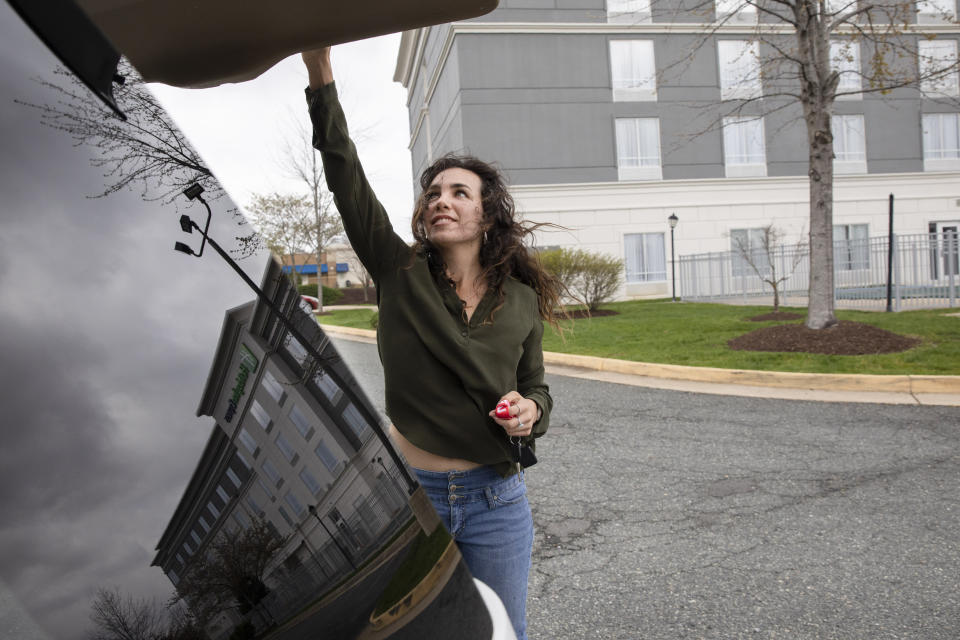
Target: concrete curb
(910, 384)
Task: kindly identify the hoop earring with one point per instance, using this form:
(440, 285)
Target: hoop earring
(484, 237)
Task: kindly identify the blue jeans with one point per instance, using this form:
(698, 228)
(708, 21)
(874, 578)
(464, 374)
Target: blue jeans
(489, 518)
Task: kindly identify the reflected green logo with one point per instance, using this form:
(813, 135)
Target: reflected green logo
(248, 364)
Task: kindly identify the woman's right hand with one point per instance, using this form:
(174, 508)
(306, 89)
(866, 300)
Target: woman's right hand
(319, 69)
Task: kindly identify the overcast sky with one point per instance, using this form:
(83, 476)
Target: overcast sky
(107, 334)
(241, 129)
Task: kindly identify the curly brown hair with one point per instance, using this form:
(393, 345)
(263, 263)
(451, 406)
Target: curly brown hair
(503, 253)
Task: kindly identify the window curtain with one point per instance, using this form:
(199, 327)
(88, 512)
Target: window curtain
(645, 257)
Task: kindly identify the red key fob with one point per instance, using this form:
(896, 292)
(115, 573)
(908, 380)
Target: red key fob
(503, 410)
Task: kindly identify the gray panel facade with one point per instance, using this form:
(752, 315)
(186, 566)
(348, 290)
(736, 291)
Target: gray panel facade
(541, 103)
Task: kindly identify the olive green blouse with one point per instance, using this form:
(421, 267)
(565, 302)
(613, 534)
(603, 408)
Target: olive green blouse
(442, 373)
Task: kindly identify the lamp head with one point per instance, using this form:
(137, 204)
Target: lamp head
(193, 191)
(183, 248)
(186, 223)
(673, 220)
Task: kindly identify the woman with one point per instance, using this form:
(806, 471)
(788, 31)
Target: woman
(460, 330)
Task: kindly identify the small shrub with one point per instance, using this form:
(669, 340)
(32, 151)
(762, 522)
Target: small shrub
(375, 320)
(590, 278)
(330, 295)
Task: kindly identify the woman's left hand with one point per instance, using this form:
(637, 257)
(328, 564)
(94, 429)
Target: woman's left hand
(523, 412)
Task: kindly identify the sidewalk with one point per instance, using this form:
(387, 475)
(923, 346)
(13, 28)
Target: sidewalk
(892, 389)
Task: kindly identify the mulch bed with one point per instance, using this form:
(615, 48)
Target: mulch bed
(844, 339)
(776, 315)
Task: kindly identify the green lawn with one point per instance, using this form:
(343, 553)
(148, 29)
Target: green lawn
(696, 334)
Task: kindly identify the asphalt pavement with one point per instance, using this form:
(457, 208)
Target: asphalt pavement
(673, 514)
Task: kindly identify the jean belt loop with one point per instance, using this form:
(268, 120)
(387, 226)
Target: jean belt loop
(491, 499)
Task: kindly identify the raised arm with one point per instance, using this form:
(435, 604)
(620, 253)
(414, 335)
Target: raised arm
(319, 69)
(364, 218)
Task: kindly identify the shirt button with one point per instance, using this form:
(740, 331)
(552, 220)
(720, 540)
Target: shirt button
(464, 333)
(453, 498)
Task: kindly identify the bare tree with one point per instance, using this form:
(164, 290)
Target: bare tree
(805, 53)
(119, 617)
(286, 225)
(146, 151)
(366, 281)
(230, 573)
(302, 162)
(763, 258)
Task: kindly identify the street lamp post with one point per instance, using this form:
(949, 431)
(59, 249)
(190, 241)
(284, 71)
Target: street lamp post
(390, 478)
(673, 220)
(313, 511)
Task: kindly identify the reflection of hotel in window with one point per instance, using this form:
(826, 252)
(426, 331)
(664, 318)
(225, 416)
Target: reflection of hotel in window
(289, 446)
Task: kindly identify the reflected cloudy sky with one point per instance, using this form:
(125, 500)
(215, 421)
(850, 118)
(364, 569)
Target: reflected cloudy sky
(107, 336)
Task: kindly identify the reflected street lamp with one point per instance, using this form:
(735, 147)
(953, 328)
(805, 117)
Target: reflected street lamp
(673, 220)
(313, 511)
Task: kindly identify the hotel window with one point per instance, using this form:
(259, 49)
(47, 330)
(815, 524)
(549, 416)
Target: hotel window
(248, 441)
(223, 492)
(356, 422)
(638, 149)
(234, 478)
(936, 11)
(934, 55)
(273, 387)
(294, 503)
(295, 349)
(327, 458)
(845, 60)
(312, 484)
(241, 519)
(739, 62)
(736, 11)
(203, 523)
(301, 422)
(645, 257)
(837, 7)
(196, 538)
(187, 548)
(628, 11)
(327, 386)
(286, 516)
(743, 147)
(849, 144)
(286, 449)
(851, 248)
(260, 415)
(633, 73)
(267, 491)
(272, 472)
(212, 508)
(253, 505)
(941, 141)
(174, 578)
(746, 246)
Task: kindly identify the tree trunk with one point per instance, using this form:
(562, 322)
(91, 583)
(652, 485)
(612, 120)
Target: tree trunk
(818, 89)
(316, 209)
(821, 292)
